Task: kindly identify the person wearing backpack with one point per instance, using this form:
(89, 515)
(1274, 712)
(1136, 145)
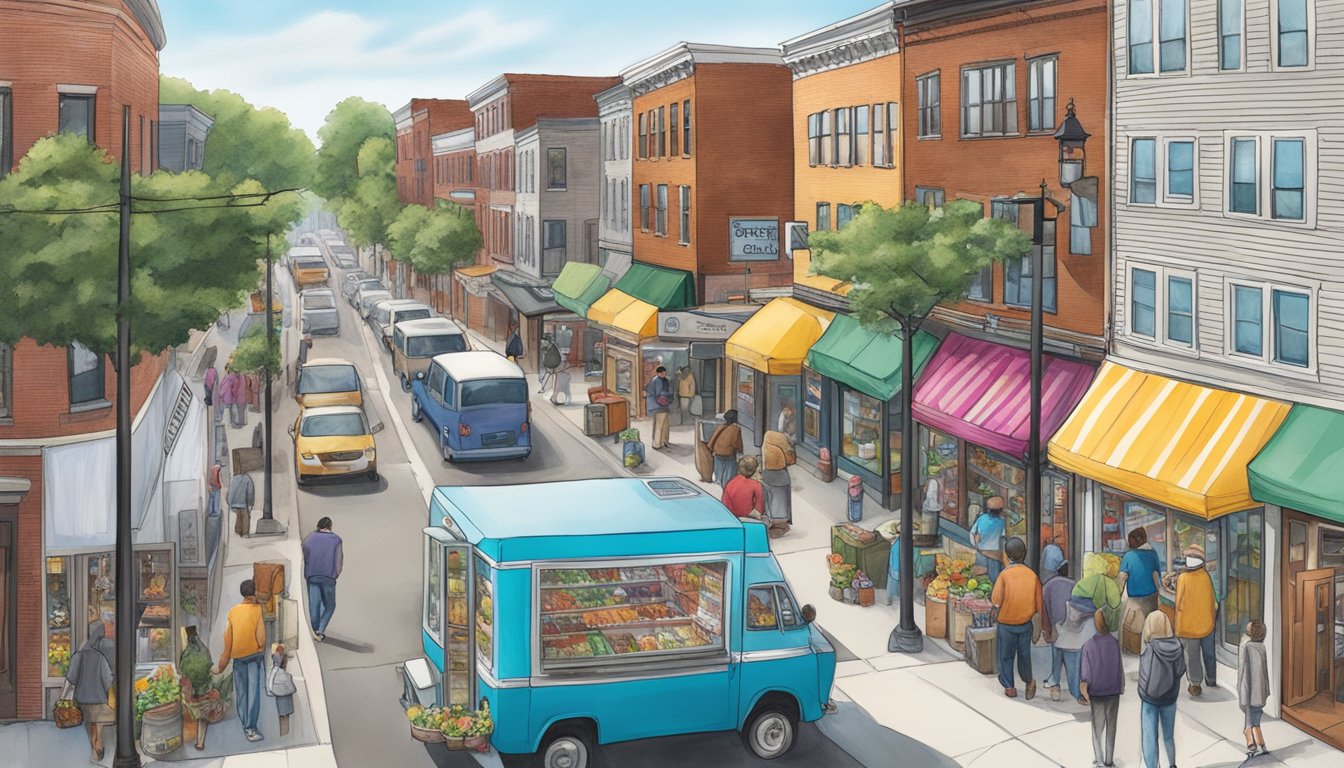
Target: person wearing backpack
(280, 684)
(1161, 667)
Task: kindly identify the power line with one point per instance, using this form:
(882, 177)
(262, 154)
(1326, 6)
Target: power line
(112, 207)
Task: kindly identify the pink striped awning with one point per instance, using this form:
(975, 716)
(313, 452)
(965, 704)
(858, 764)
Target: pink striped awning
(981, 392)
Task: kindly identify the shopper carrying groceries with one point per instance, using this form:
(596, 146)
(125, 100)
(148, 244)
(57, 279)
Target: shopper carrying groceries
(1161, 667)
(323, 559)
(1253, 684)
(1017, 593)
(1055, 599)
(1196, 618)
(725, 444)
(1103, 681)
(658, 396)
(245, 648)
(280, 684)
(987, 537)
(89, 681)
(1139, 579)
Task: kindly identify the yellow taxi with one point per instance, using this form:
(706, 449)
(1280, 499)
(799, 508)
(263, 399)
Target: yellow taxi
(309, 271)
(334, 441)
(329, 381)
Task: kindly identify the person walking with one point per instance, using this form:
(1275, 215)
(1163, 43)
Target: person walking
(1071, 635)
(245, 647)
(210, 382)
(550, 362)
(89, 681)
(215, 483)
(513, 349)
(987, 537)
(1017, 593)
(1196, 618)
(323, 558)
(724, 445)
(787, 421)
(1253, 684)
(1139, 579)
(1102, 675)
(685, 394)
(1161, 667)
(242, 493)
(1055, 600)
(776, 455)
(228, 394)
(658, 402)
(280, 684)
(1098, 585)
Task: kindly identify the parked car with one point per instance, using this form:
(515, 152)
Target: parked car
(308, 238)
(477, 404)
(350, 282)
(334, 441)
(317, 308)
(343, 256)
(367, 284)
(329, 381)
(309, 270)
(416, 342)
(297, 252)
(369, 298)
(388, 313)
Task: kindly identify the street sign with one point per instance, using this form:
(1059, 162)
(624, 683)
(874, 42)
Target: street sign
(753, 239)
(795, 238)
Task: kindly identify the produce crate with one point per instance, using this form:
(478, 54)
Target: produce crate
(867, 550)
(981, 643)
(247, 460)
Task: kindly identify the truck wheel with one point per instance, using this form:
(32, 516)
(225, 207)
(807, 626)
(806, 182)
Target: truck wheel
(569, 747)
(405, 383)
(772, 729)
(416, 413)
(445, 450)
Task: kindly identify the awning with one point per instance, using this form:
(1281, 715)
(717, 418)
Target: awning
(865, 360)
(528, 299)
(981, 392)
(624, 312)
(480, 270)
(1302, 466)
(579, 285)
(661, 287)
(776, 339)
(823, 283)
(1179, 444)
(475, 279)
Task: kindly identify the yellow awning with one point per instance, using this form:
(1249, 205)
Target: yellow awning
(822, 283)
(624, 312)
(480, 270)
(776, 339)
(1170, 441)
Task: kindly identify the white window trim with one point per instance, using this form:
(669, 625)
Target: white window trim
(1218, 15)
(1274, 38)
(77, 90)
(919, 81)
(1161, 309)
(1264, 165)
(1265, 361)
(1164, 199)
(1157, 44)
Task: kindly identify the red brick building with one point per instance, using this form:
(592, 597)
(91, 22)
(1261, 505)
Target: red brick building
(64, 66)
(417, 123)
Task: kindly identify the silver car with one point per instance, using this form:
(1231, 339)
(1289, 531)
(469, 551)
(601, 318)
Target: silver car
(317, 307)
(369, 298)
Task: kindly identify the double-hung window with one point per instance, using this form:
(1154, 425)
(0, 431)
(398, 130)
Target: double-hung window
(1162, 305)
(844, 140)
(1292, 39)
(861, 137)
(686, 128)
(1180, 171)
(1171, 36)
(1141, 37)
(1143, 171)
(644, 207)
(662, 132)
(675, 118)
(1041, 93)
(553, 245)
(86, 375)
(1143, 302)
(1272, 176)
(1230, 25)
(843, 213)
(6, 129)
(625, 206)
(1289, 179)
(823, 216)
(643, 136)
(1164, 21)
(879, 136)
(989, 100)
(1017, 275)
(77, 115)
(557, 172)
(930, 105)
(684, 235)
(827, 154)
(1272, 324)
(814, 138)
(1244, 188)
(660, 224)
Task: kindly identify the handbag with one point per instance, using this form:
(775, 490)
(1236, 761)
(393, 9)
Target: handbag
(697, 406)
(663, 400)
(67, 714)
(112, 697)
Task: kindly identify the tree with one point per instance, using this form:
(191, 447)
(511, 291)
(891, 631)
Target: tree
(349, 125)
(373, 206)
(250, 355)
(901, 264)
(436, 240)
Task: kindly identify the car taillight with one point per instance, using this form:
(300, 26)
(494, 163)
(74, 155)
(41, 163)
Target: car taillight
(463, 430)
(523, 427)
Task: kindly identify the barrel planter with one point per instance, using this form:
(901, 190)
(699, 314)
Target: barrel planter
(161, 729)
(935, 616)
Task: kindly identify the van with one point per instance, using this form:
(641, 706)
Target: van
(416, 342)
(308, 271)
(476, 403)
(329, 381)
(388, 314)
(317, 312)
(367, 297)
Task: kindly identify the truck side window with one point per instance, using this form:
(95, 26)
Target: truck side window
(789, 616)
(399, 339)
(449, 390)
(761, 610)
(435, 384)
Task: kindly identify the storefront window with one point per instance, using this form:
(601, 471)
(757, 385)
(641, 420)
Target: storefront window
(940, 475)
(1243, 600)
(812, 398)
(861, 430)
(101, 590)
(1055, 507)
(624, 371)
(433, 590)
(154, 602)
(455, 645)
(784, 398)
(1122, 514)
(60, 642)
(993, 474)
(746, 396)
(1187, 531)
(485, 615)
(592, 353)
(674, 358)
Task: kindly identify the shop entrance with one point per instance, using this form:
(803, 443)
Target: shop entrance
(1313, 687)
(8, 612)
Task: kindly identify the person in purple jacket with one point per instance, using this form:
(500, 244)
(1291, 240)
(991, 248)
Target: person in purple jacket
(1103, 680)
(323, 558)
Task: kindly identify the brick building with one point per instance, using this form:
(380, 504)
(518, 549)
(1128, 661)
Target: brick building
(454, 161)
(417, 123)
(63, 67)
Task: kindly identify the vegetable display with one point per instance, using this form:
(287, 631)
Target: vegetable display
(161, 687)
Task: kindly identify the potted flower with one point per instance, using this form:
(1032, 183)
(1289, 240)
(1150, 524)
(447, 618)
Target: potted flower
(482, 726)
(426, 723)
(158, 708)
(456, 723)
(842, 575)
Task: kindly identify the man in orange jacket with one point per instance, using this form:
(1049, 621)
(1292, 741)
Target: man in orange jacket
(1017, 593)
(1196, 618)
(244, 646)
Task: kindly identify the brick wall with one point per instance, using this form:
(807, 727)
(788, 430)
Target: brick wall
(31, 645)
(533, 96)
(672, 170)
(41, 393)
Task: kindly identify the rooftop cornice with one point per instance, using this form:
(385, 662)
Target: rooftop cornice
(678, 63)
(864, 37)
(487, 92)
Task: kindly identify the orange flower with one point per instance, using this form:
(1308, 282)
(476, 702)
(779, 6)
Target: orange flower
(142, 685)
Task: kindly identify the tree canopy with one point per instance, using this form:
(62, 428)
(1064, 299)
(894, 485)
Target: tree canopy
(348, 126)
(435, 240)
(368, 213)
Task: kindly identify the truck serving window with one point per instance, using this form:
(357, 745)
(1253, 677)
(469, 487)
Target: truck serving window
(485, 616)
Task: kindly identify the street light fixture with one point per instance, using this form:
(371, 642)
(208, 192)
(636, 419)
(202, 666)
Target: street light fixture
(1072, 142)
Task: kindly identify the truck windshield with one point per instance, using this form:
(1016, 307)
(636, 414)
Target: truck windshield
(412, 314)
(328, 378)
(493, 391)
(429, 346)
(333, 425)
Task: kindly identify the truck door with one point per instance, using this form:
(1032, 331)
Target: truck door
(449, 574)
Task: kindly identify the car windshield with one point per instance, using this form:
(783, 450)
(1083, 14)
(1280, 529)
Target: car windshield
(412, 314)
(328, 378)
(333, 425)
(379, 315)
(429, 346)
(319, 301)
(493, 391)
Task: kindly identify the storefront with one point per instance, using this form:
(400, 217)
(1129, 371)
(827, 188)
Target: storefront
(767, 355)
(1171, 457)
(471, 288)
(628, 324)
(694, 341)
(973, 407)
(858, 373)
(1301, 471)
(532, 304)
(576, 288)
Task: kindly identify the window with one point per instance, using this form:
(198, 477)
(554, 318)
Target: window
(1143, 171)
(1285, 337)
(844, 139)
(662, 132)
(485, 617)
(1244, 196)
(6, 128)
(686, 128)
(827, 156)
(1287, 162)
(823, 216)
(604, 209)
(1171, 35)
(684, 236)
(843, 214)
(1141, 37)
(660, 224)
(861, 139)
(1229, 34)
(625, 138)
(1292, 328)
(625, 205)
(1041, 94)
(762, 612)
(1248, 320)
(6, 379)
(556, 172)
(929, 197)
(1180, 311)
(643, 136)
(653, 133)
(879, 137)
(553, 245)
(676, 134)
(644, 207)
(1293, 43)
(1017, 275)
(930, 105)
(77, 115)
(1143, 303)
(86, 375)
(1289, 179)
(813, 138)
(1180, 171)
(989, 100)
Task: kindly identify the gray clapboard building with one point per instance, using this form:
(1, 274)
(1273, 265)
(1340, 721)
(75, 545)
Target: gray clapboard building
(182, 131)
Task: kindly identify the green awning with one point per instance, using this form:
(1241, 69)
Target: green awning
(578, 286)
(865, 360)
(1302, 465)
(661, 287)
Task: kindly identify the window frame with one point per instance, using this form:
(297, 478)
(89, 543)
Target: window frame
(660, 209)
(1155, 41)
(813, 139)
(90, 98)
(879, 136)
(645, 194)
(1161, 336)
(674, 123)
(1165, 195)
(827, 139)
(662, 132)
(1264, 176)
(1240, 33)
(823, 217)
(684, 214)
(548, 249)
(1275, 34)
(92, 402)
(1036, 106)
(1051, 268)
(1133, 164)
(938, 194)
(6, 381)
(1269, 342)
(862, 138)
(844, 138)
(6, 130)
(551, 154)
(1004, 107)
(844, 213)
(686, 128)
(929, 105)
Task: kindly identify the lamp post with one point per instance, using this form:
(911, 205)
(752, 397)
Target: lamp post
(268, 525)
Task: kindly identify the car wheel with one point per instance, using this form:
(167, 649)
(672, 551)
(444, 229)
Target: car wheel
(445, 450)
(373, 476)
(571, 747)
(771, 731)
(299, 479)
(405, 383)
(416, 413)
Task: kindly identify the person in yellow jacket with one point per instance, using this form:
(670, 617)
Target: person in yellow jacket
(1196, 619)
(245, 647)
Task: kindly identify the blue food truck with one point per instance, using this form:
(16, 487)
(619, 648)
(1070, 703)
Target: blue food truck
(596, 611)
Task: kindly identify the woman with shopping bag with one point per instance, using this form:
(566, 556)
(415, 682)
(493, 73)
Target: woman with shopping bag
(90, 680)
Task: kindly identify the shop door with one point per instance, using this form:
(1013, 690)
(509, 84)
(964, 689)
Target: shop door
(459, 646)
(8, 613)
(1313, 624)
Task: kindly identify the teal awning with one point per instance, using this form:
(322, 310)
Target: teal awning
(865, 360)
(578, 286)
(663, 288)
(1302, 465)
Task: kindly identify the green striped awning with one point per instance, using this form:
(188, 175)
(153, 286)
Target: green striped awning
(865, 360)
(663, 288)
(1302, 465)
(578, 286)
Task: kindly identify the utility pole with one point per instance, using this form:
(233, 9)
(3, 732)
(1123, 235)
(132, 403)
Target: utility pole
(1033, 493)
(906, 637)
(268, 525)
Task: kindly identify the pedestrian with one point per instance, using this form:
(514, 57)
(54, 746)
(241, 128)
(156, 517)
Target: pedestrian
(242, 493)
(1161, 666)
(931, 506)
(560, 386)
(215, 483)
(1102, 672)
(1072, 634)
(280, 684)
(744, 495)
(724, 445)
(685, 394)
(776, 455)
(550, 361)
(89, 681)
(658, 402)
(1139, 579)
(787, 421)
(1055, 599)
(1017, 593)
(323, 558)
(1253, 684)
(987, 537)
(1098, 585)
(245, 648)
(211, 379)
(1196, 618)
(228, 393)
(514, 348)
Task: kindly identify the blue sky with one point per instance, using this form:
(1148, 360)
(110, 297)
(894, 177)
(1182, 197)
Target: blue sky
(303, 56)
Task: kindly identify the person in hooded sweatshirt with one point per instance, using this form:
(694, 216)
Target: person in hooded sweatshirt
(1103, 675)
(1253, 684)
(89, 681)
(1055, 599)
(1098, 585)
(1071, 634)
(1161, 667)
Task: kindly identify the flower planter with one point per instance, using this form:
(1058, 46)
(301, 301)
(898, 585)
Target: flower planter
(479, 743)
(935, 616)
(837, 593)
(455, 743)
(427, 735)
(161, 729)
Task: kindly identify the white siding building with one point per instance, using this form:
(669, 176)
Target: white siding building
(613, 225)
(556, 205)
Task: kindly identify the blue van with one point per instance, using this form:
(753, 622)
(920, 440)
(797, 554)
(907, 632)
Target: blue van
(477, 404)
(596, 611)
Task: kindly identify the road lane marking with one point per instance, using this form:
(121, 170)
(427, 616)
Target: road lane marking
(419, 470)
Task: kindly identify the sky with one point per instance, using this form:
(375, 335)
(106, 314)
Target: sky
(304, 56)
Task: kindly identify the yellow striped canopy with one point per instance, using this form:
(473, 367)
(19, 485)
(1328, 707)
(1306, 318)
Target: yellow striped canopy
(1176, 443)
(618, 309)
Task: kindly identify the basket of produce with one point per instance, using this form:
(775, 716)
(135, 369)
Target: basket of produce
(67, 714)
(426, 724)
(478, 735)
(457, 724)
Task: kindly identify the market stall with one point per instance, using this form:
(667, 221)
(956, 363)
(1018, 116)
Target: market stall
(767, 353)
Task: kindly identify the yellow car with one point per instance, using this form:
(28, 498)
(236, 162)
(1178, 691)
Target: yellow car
(329, 381)
(309, 271)
(333, 441)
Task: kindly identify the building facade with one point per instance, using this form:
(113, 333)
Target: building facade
(416, 124)
(455, 183)
(182, 132)
(613, 225)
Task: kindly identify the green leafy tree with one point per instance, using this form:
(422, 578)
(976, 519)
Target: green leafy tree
(435, 241)
(349, 125)
(370, 211)
(250, 356)
(901, 263)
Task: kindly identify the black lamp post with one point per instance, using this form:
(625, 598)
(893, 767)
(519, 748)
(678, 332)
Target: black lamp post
(268, 525)
(1072, 147)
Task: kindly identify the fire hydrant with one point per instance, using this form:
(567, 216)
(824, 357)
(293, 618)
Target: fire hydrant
(855, 498)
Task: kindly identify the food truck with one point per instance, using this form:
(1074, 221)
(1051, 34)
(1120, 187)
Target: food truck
(595, 611)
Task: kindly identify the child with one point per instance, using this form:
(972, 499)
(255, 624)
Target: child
(280, 684)
(1253, 684)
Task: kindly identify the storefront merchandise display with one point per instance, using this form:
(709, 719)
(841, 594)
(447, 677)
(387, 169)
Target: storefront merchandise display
(59, 640)
(813, 389)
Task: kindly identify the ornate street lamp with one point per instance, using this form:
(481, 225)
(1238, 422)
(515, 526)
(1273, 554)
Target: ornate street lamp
(1072, 142)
